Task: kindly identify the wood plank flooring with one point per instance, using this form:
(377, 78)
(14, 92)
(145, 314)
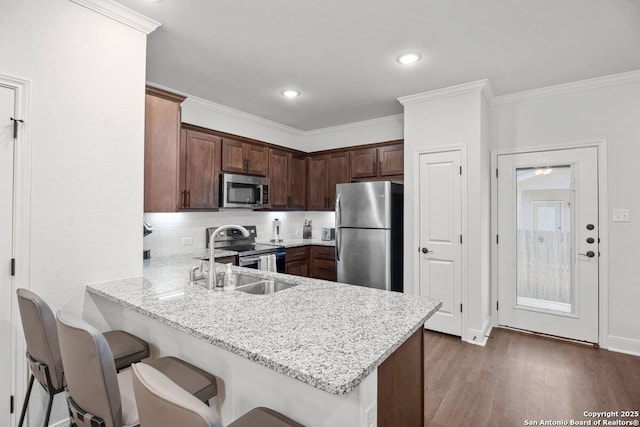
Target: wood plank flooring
(519, 377)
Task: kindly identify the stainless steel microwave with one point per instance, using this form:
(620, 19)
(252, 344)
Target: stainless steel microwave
(243, 191)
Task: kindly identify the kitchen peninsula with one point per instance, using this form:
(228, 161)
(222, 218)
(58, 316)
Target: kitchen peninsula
(323, 353)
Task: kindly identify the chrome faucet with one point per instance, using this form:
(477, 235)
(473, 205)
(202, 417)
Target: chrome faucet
(212, 263)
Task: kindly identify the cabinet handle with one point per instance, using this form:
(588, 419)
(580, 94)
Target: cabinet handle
(183, 196)
(188, 198)
(246, 165)
(379, 167)
(288, 201)
(373, 166)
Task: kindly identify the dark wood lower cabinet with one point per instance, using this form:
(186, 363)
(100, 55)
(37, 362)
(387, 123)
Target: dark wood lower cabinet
(297, 268)
(323, 263)
(401, 385)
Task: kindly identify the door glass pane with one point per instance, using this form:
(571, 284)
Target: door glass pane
(544, 238)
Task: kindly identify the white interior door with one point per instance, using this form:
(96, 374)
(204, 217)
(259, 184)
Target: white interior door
(7, 105)
(440, 247)
(548, 242)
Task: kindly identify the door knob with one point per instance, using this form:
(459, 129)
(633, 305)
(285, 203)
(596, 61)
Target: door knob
(590, 227)
(426, 251)
(589, 254)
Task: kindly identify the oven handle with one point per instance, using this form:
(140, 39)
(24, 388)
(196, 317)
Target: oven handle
(247, 260)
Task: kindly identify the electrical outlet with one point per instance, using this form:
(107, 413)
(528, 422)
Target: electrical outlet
(621, 215)
(372, 416)
(187, 241)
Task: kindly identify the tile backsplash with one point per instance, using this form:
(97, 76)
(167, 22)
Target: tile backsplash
(180, 232)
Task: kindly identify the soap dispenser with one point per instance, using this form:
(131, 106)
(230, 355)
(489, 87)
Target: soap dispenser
(229, 281)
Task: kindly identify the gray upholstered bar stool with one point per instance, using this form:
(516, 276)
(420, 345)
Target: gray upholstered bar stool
(96, 394)
(43, 351)
(162, 403)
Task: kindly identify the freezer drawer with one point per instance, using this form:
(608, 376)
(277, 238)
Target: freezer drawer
(363, 257)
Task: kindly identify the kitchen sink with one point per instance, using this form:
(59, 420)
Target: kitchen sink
(262, 287)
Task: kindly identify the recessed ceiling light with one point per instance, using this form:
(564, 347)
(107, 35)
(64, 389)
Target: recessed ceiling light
(409, 58)
(290, 93)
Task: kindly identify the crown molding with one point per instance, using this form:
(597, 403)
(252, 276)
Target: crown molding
(482, 86)
(237, 114)
(120, 13)
(381, 121)
(580, 85)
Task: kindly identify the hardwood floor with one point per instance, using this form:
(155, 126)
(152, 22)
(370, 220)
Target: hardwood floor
(519, 377)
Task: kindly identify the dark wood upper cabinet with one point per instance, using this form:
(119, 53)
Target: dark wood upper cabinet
(161, 150)
(288, 177)
(297, 181)
(337, 173)
(325, 171)
(244, 157)
(364, 163)
(391, 160)
(279, 179)
(377, 162)
(199, 170)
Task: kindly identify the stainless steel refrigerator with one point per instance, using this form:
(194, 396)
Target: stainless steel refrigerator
(369, 234)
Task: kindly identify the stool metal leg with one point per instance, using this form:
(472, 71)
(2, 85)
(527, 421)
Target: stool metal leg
(46, 419)
(26, 402)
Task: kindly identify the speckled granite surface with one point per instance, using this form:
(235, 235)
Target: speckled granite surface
(326, 334)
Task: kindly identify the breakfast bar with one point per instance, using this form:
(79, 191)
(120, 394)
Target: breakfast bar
(323, 353)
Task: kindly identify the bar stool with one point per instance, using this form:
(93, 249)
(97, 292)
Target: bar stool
(96, 394)
(162, 403)
(43, 350)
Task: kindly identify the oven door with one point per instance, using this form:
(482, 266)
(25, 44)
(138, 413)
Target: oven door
(252, 261)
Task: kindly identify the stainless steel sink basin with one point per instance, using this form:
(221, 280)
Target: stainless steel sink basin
(263, 287)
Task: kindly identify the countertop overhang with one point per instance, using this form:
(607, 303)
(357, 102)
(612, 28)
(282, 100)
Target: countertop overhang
(326, 334)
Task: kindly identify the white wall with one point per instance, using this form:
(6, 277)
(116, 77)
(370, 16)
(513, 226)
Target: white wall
(366, 132)
(87, 126)
(454, 120)
(170, 228)
(610, 113)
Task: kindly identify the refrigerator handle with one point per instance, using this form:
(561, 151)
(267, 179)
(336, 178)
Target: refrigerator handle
(338, 212)
(338, 231)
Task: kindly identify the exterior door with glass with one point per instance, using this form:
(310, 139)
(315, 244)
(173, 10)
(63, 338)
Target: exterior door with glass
(548, 254)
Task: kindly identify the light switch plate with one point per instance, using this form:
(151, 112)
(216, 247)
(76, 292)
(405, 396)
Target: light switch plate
(187, 241)
(621, 215)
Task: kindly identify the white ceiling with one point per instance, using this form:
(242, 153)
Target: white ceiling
(341, 54)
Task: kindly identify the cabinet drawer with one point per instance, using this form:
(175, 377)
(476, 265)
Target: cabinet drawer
(323, 252)
(227, 260)
(323, 269)
(297, 268)
(295, 254)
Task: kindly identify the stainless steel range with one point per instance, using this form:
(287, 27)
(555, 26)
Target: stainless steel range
(249, 251)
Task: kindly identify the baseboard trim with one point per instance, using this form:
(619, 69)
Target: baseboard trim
(480, 337)
(623, 345)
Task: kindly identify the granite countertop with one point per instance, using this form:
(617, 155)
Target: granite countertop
(292, 243)
(326, 334)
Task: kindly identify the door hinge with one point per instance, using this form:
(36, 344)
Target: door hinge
(496, 172)
(11, 405)
(497, 239)
(460, 170)
(460, 307)
(461, 239)
(13, 266)
(497, 305)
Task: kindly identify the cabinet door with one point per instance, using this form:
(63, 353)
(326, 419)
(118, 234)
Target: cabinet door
(279, 178)
(298, 268)
(233, 156)
(199, 168)
(317, 183)
(161, 151)
(323, 269)
(364, 163)
(297, 181)
(391, 160)
(337, 173)
(257, 159)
